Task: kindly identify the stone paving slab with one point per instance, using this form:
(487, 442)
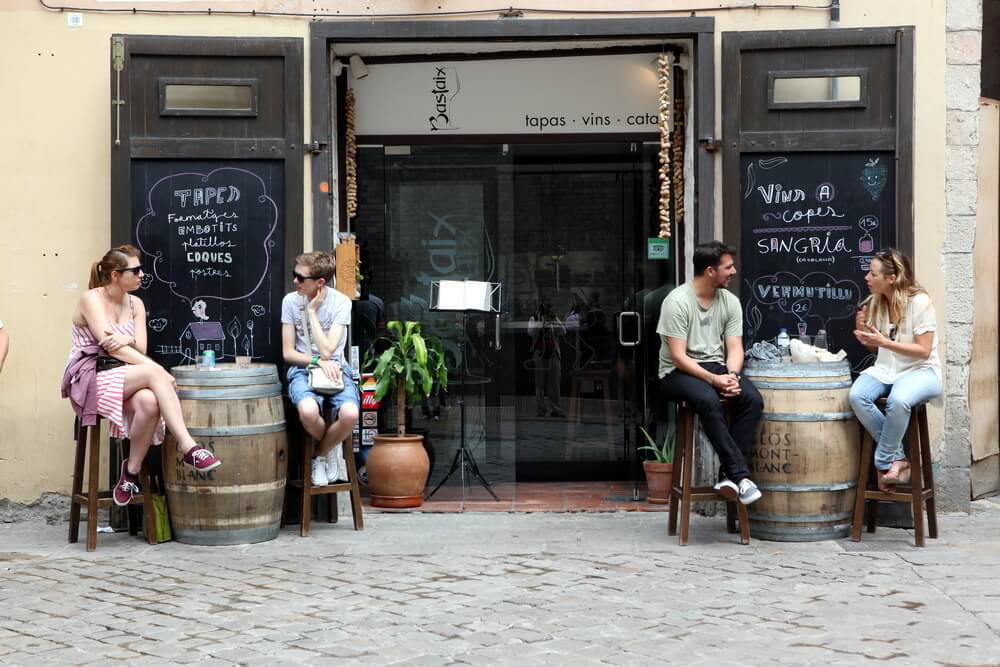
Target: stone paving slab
(505, 589)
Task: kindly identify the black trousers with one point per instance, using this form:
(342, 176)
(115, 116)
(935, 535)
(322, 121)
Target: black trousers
(731, 444)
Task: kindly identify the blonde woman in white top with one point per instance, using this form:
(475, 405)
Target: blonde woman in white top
(898, 322)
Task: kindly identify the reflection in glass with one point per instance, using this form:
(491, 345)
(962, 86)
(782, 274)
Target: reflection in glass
(810, 89)
(179, 96)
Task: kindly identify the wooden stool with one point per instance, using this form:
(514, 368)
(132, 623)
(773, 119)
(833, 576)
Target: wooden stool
(921, 487)
(331, 490)
(95, 498)
(684, 494)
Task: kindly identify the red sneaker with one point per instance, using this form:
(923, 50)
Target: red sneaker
(127, 487)
(201, 459)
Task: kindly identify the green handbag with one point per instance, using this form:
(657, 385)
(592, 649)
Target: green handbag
(161, 518)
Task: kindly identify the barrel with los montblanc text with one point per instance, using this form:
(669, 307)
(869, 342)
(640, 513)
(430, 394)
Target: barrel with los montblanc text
(239, 414)
(805, 452)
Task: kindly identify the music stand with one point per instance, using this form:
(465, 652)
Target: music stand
(464, 296)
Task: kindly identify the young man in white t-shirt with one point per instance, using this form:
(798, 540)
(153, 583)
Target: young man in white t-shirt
(329, 314)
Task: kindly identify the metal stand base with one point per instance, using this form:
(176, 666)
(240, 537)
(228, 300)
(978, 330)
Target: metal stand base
(463, 458)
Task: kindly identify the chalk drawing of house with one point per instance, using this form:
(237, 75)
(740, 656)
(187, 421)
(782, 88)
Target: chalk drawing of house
(201, 336)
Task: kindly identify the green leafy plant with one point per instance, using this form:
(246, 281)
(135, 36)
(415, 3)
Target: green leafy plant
(412, 364)
(661, 453)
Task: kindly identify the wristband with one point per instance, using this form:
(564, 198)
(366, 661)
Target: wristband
(315, 360)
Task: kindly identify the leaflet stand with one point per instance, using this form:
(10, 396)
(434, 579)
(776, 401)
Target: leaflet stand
(464, 296)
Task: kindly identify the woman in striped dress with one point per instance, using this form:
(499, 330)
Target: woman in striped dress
(139, 395)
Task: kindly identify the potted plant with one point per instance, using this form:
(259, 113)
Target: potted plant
(660, 468)
(411, 365)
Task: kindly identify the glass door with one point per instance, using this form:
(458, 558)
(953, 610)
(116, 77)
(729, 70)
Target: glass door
(431, 213)
(556, 387)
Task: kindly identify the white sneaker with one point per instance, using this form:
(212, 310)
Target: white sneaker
(727, 489)
(749, 493)
(336, 466)
(319, 477)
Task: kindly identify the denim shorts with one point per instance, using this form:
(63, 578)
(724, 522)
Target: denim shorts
(298, 390)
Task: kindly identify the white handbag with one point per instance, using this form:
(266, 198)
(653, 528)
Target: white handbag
(318, 381)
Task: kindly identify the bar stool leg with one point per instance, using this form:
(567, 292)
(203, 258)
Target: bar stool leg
(871, 516)
(863, 468)
(744, 523)
(686, 476)
(148, 518)
(93, 486)
(675, 496)
(74, 507)
(307, 457)
(731, 517)
(352, 475)
(927, 466)
(916, 481)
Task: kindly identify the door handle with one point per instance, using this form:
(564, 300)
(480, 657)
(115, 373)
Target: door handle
(621, 331)
(496, 345)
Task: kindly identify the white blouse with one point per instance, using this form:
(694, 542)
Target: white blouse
(918, 318)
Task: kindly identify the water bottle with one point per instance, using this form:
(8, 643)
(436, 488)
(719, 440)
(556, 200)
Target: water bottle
(820, 340)
(783, 343)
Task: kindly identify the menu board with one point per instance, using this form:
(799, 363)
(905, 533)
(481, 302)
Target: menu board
(810, 225)
(211, 237)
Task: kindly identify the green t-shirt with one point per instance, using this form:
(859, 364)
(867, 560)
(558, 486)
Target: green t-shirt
(704, 329)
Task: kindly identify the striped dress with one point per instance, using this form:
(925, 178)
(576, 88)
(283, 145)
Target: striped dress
(111, 384)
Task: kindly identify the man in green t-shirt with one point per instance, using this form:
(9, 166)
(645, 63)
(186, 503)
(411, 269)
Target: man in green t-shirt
(701, 357)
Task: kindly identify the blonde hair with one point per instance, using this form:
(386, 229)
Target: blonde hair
(321, 264)
(889, 309)
(115, 259)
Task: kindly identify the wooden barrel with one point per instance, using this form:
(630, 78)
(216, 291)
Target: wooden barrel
(805, 452)
(237, 413)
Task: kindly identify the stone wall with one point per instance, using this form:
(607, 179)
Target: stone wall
(962, 85)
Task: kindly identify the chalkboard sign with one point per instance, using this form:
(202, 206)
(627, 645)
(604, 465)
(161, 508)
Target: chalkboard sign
(810, 224)
(211, 235)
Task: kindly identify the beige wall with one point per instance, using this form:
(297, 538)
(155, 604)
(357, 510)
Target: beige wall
(55, 184)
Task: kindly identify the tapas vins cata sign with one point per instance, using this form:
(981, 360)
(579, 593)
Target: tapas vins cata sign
(810, 225)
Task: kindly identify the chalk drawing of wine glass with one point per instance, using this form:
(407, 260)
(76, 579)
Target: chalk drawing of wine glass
(800, 309)
(868, 224)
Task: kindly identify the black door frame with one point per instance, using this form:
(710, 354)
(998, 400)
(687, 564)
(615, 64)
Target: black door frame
(328, 187)
(898, 139)
(287, 147)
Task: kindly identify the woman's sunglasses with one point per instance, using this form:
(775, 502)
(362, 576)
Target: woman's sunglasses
(134, 270)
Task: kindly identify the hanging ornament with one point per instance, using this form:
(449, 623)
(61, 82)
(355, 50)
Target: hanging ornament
(352, 156)
(678, 161)
(664, 66)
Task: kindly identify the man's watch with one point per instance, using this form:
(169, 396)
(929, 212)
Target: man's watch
(315, 360)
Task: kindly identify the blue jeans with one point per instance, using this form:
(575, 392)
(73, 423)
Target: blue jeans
(888, 429)
(298, 391)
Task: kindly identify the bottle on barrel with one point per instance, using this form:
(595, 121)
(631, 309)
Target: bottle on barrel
(784, 342)
(820, 340)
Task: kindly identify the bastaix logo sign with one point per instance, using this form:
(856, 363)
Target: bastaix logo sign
(445, 86)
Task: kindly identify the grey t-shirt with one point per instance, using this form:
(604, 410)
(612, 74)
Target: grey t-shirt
(335, 309)
(704, 329)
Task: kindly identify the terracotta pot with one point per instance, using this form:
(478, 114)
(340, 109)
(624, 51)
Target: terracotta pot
(397, 471)
(658, 479)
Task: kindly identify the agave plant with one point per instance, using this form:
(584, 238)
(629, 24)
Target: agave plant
(412, 363)
(661, 453)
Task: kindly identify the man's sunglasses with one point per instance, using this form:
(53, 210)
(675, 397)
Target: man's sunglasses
(301, 278)
(135, 270)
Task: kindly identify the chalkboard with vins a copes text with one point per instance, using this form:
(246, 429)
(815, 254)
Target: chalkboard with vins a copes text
(211, 236)
(810, 223)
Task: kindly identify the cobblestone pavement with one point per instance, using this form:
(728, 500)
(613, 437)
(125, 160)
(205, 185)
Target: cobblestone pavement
(504, 589)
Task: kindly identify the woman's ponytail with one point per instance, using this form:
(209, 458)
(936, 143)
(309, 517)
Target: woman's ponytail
(95, 276)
